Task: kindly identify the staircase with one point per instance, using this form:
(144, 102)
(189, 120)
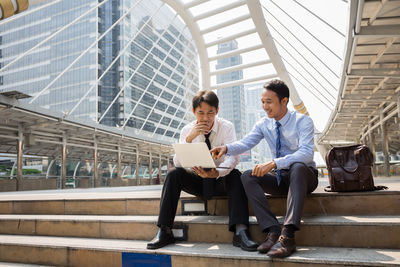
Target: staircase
(111, 227)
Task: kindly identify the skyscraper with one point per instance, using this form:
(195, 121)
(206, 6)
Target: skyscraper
(125, 63)
(232, 105)
(254, 112)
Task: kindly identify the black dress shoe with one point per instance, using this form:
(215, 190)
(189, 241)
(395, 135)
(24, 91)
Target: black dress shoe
(244, 241)
(164, 237)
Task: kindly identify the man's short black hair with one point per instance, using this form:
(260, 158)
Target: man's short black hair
(206, 96)
(279, 87)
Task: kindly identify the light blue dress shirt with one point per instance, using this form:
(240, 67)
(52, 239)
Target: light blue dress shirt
(297, 139)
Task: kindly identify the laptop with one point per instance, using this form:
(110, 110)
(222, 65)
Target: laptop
(194, 155)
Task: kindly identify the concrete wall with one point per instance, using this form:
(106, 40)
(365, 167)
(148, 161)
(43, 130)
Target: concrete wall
(29, 184)
(8, 185)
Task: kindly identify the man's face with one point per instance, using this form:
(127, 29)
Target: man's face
(205, 114)
(270, 102)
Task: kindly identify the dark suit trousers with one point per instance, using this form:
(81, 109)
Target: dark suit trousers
(296, 183)
(182, 179)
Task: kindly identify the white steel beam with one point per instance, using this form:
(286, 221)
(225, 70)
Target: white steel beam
(236, 52)
(381, 52)
(194, 3)
(240, 67)
(387, 117)
(226, 23)
(219, 10)
(269, 45)
(194, 29)
(231, 37)
(379, 86)
(380, 73)
(379, 31)
(243, 81)
(377, 11)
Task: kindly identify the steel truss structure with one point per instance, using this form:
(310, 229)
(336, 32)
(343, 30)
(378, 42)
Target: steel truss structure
(368, 104)
(364, 97)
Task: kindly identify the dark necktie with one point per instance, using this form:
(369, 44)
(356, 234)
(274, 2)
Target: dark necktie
(208, 183)
(207, 136)
(278, 148)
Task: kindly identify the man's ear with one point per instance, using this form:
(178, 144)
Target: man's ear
(285, 101)
(193, 110)
(217, 110)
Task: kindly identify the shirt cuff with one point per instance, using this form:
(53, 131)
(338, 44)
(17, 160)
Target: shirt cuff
(227, 149)
(223, 172)
(280, 163)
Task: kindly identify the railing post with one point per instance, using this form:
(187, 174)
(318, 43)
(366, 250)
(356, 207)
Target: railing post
(150, 168)
(119, 177)
(371, 138)
(159, 169)
(64, 163)
(137, 165)
(20, 152)
(95, 170)
(385, 145)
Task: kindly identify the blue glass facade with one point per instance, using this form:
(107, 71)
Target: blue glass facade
(37, 70)
(141, 75)
(232, 101)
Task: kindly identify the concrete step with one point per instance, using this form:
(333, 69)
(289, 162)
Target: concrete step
(335, 231)
(147, 203)
(13, 264)
(88, 252)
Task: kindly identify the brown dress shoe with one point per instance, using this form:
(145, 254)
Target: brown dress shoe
(270, 240)
(285, 247)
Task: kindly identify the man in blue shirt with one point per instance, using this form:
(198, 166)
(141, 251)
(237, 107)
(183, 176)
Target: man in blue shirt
(292, 172)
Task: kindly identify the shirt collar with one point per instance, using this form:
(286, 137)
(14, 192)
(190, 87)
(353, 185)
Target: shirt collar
(284, 120)
(215, 126)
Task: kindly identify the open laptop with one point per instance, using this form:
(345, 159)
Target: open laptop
(194, 155)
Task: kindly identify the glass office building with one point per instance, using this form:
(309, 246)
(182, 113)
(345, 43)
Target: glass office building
(232, 105)
(36, 71)
(254, 112)
(125, 63)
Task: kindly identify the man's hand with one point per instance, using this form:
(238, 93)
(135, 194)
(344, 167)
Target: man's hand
(218, 151)
(262, 169)
(198, 129)
(213, 173)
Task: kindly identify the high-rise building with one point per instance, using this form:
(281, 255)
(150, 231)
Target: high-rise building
(126, 63)
(232, 105)
(254, 112)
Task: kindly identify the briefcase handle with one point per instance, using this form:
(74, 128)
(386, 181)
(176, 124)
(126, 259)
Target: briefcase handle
(349, 169)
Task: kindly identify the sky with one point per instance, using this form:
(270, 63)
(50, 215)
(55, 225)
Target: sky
(310, 36)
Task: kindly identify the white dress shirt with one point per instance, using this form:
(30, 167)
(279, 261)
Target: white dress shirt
(222, 133)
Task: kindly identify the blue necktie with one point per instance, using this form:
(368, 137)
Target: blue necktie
(278, 149)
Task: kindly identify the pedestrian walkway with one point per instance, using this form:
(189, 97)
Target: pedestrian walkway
(147, 191)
